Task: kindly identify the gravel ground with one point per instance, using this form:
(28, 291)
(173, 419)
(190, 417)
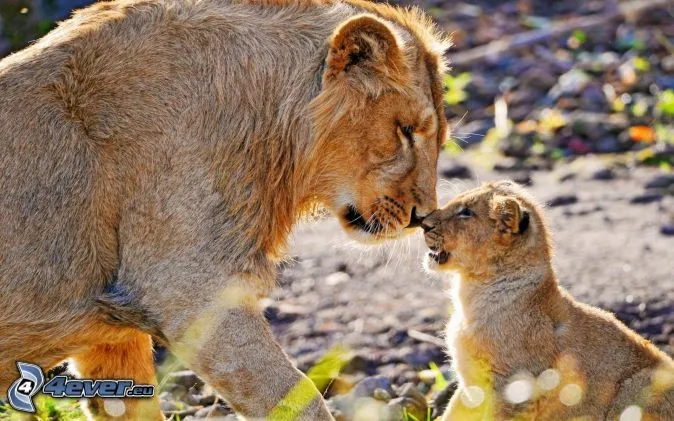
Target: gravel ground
(386, 315)
(582, 117)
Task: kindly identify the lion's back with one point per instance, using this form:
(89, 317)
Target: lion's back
(88, 107)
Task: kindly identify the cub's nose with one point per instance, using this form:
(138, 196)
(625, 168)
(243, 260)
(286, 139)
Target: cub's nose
(430, 221)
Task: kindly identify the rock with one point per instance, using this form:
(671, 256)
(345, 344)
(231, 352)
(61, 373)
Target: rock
(608, 144)
(645, 198)
(359, 363)
(217, 410)
(589, 125)
(567, 176)
(177, 391)
(660, 181)
(603, 174)
(517, 146)
(427, 376)
(398, 337)
(572, 82)
(667, 64)
(185, 378)
(523, 178)
(182, 413)
(200, 399)
(381, 395)
(579, 147)
(593, 99)
(406, 408)
(166, 406)
(337, 278)
(457, 170)
(514, 165)
(598, 63)
(278, 312)
(420, 356)
(563, 200)
(409, 390)
(367, 386)
(409, 401)
(627, 73)
(665, 82)
(538, 77)
(667, 229)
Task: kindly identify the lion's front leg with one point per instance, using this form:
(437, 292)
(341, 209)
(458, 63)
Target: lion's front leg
(230, 345)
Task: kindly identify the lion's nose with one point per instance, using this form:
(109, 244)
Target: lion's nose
(415, 220)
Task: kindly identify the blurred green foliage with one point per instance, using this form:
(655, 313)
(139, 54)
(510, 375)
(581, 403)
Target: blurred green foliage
(47, 409)
(666, 103)
(455, 87)
(21, 22)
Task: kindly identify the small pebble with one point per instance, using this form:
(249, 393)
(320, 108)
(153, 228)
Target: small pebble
(563, 200)
(216, 410)
(646, 198)
(459, 171)
(667, 230)
(381, 395)
(185, 378)
(660, 181)
(603, 174)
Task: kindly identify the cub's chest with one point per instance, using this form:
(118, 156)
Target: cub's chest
(469, 357)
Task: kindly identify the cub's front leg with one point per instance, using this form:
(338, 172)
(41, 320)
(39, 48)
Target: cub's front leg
(480, 407)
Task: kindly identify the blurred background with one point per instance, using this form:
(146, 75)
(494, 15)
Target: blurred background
(572, 98)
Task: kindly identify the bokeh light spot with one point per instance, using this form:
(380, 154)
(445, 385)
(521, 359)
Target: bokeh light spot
(571, 394)
(631, 413)
(472, 396)
(548, 380)
(114, 407)
(519, 391)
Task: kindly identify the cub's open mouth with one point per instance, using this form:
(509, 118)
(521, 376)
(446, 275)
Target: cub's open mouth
(356, 220)
(440, 257)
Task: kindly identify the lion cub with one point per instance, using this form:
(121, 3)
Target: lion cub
(522, 347)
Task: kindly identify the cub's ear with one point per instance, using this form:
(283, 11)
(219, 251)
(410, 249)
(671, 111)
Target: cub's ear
(364, 46)
(510, 217)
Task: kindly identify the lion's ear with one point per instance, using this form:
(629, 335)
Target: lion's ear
(509, 215)
(364, 46)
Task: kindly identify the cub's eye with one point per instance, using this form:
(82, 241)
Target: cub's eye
(408, 132)
(465, 213)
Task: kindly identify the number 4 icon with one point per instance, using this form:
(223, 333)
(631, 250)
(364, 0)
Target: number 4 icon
(26, 387)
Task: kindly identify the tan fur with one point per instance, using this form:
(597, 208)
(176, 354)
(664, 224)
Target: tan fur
(156, 155)
(512, 322)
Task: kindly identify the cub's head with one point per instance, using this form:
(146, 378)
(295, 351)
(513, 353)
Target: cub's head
(379, 122)
(496, 228)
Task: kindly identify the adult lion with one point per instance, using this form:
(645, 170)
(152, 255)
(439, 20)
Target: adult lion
(157, 153)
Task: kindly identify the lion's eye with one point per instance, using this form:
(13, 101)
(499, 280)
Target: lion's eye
(408, 132)
(465, 213)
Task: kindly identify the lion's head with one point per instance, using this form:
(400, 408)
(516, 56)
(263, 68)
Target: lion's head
(379, 122)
